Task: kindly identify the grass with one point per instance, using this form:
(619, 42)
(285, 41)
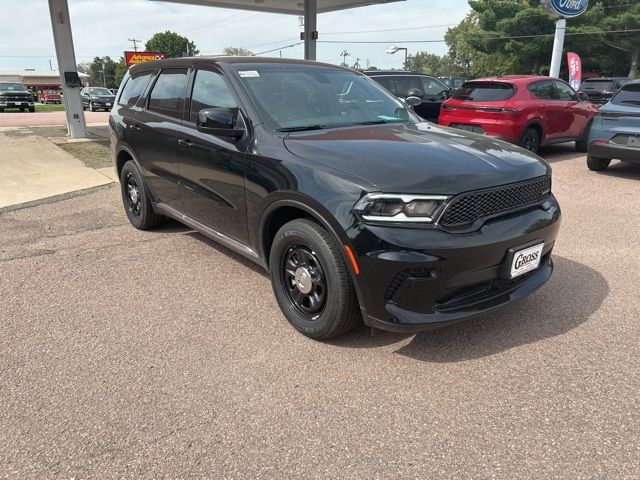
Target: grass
(92, 154)
(49, 107)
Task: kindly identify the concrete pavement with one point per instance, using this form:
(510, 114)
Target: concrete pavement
(33, 168)
(127, 354)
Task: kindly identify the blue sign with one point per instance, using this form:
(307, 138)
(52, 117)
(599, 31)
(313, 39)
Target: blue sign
(566, 8)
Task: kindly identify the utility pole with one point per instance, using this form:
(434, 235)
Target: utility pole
(135, 43)
(344, 54)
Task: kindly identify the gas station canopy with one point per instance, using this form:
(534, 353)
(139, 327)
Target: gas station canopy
(292, 7)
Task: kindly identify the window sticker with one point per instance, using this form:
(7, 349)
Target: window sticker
(248, 74)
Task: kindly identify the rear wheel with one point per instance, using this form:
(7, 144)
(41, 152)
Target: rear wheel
(597, 164)
(530, 140)
(311, 282)
(135, 198)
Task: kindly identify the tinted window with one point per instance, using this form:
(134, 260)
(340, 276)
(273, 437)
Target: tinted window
(484, 92)
(565, 92)
(401, 84)
(167, 96)
(597, 85)
(544, 89)
(210, 90)
(431, 86)
(629, 95)
(134, 88)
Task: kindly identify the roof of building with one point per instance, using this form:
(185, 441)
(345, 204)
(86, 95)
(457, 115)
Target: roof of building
(36, 73)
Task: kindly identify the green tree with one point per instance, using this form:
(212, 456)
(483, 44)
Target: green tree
(435, 65)
(237, 52)
(172, 44)
(101, 71)
(121, 70)
(616, 17)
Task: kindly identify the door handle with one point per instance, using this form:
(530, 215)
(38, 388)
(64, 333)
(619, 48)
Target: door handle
(184, 143)
(135, 128)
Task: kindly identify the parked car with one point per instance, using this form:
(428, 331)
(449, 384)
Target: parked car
(601, 90)
(615, 133)
(453, 82)
(15, 95)
(530, 111)
(50, 96)
(97, 98)
(431, 91)
(357, 207)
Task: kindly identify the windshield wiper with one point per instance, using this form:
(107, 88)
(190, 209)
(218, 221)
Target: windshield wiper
(301, 128)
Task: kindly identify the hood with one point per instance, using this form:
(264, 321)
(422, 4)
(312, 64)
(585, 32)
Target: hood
(418, 158)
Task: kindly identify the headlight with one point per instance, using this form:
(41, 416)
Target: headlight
(392, 207)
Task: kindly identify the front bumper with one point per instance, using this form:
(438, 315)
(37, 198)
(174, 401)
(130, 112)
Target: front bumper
(611, 151)
(414, 279)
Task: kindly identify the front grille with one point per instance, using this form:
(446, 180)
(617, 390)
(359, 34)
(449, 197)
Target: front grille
(467, 208)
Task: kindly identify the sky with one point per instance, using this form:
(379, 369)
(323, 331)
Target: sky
(102, 27)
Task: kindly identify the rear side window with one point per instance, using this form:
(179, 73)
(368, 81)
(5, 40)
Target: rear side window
(629, 95)
(167, 96)
(134, 88)
(210, 90)
(484, 92)
(544, 89)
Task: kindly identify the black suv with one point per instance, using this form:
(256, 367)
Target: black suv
(356, 207)
(601, 90)
(428, 92)
(97, 98)
(15, 95)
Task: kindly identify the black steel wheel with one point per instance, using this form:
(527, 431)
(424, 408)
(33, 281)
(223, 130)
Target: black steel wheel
(311, 280)
(304, 281)
(530, 140)
(136, 199)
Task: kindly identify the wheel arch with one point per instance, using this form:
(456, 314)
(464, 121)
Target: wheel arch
(537, 125)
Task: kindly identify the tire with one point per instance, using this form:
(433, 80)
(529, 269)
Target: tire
(582, 144)
(597, 164)
(32, 109)
(1, 109)
(21, 109)
(320, 269)
(530, 140)
(136, 199)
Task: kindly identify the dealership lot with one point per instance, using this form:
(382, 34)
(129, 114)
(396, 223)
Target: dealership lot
(160, 354)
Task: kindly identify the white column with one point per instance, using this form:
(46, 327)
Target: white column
(310, 26)
(61, 25)
(558, 48)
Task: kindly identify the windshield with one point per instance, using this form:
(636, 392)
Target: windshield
(99, 91)
(315, 97)
(12, 87)
(598, 85)
(629, 95)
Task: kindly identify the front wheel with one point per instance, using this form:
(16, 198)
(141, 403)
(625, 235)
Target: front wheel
(311, 282)
(597, 164)
(135, 198)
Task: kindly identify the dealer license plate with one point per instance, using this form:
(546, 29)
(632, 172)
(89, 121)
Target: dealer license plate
(526, 260)
(108, 104)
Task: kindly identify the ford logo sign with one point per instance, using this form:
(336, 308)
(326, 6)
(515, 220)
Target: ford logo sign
(565, 8)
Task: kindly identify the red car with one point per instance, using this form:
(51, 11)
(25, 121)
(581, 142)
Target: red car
(530, 111)
(50, 96)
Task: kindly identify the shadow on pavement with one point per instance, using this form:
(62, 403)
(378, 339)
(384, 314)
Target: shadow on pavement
(572, 295)
(630, 171)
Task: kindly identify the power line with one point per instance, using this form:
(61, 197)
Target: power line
(539, 35)
(135, 42)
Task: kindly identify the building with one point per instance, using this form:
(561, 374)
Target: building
(37, 79)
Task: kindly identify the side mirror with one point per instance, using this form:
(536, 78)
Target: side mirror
(413, 101)
(217, 121)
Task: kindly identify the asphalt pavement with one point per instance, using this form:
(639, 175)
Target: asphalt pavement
(127, 354)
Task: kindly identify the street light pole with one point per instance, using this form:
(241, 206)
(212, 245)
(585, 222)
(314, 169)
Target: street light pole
(394, 49)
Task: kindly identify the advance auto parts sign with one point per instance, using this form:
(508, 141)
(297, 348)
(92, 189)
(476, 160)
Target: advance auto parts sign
(132, 58)
(565, 8)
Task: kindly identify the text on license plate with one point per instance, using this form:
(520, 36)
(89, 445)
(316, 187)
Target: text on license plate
(526, 260)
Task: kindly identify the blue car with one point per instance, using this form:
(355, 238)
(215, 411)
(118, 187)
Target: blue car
(615, 132)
